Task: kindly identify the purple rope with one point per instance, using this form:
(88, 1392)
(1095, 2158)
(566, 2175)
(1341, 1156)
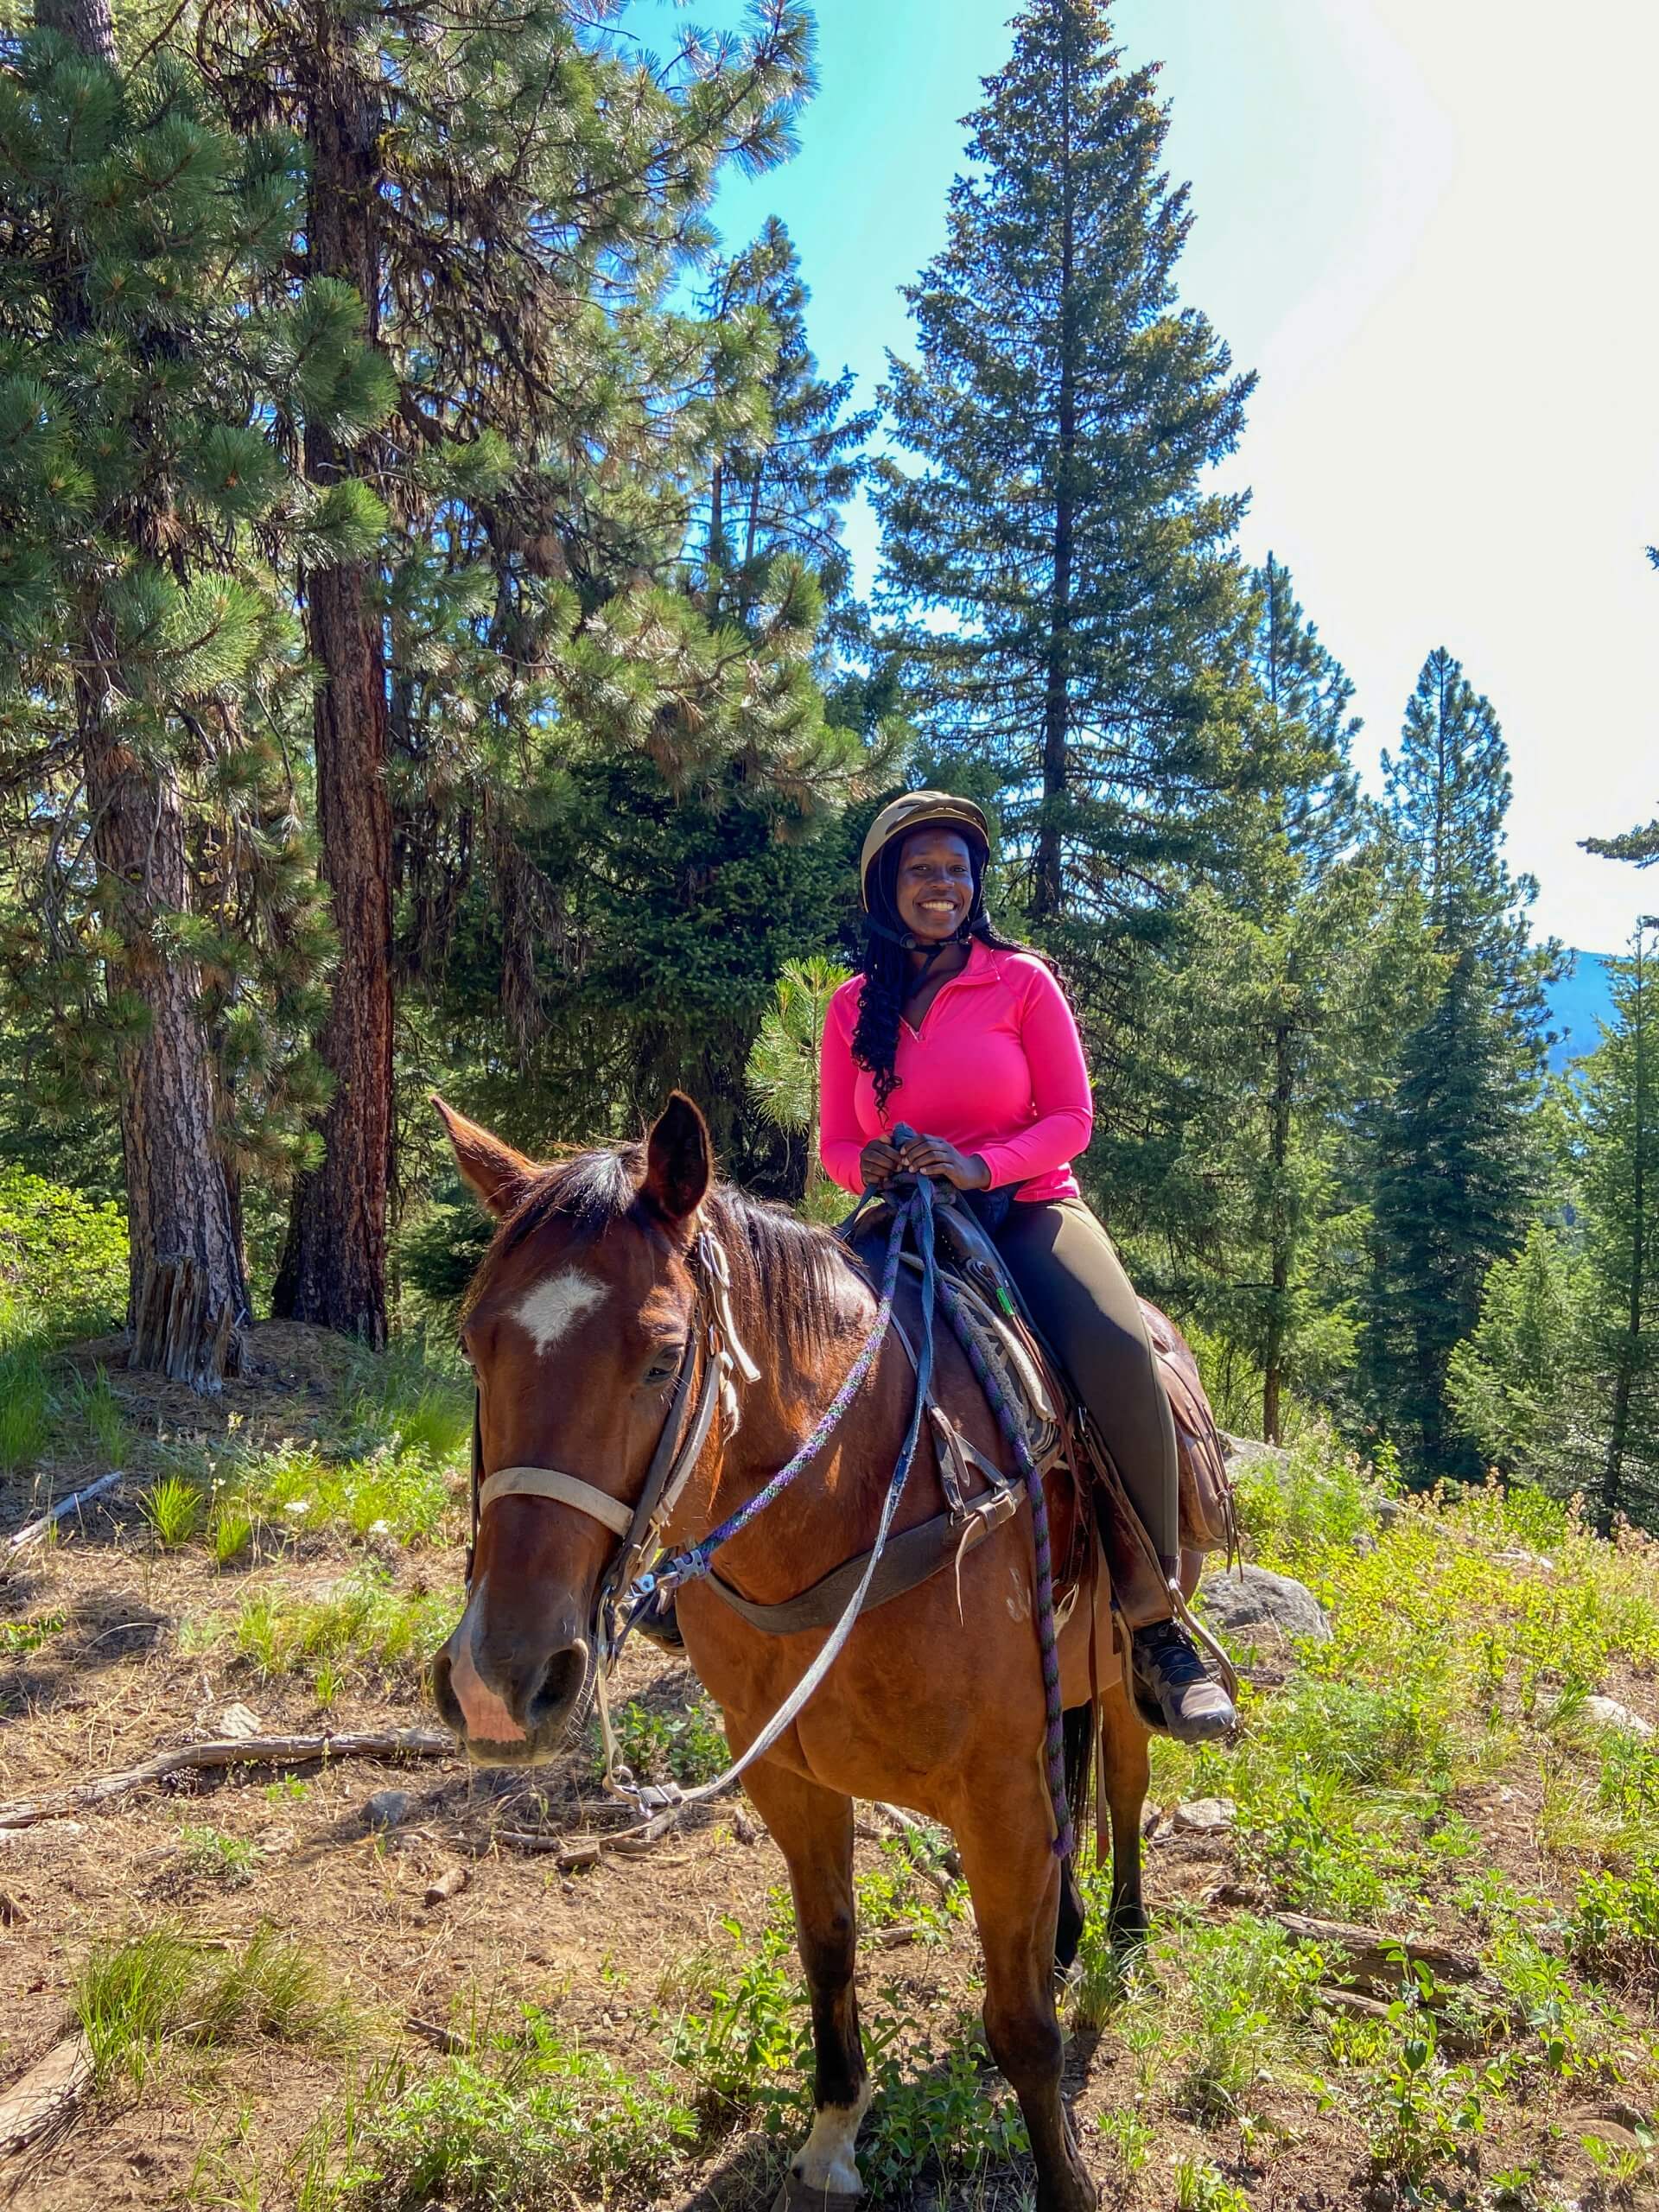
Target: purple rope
(1047, 1636)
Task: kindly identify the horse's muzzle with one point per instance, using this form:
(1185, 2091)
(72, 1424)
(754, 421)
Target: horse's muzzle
(511, 1707)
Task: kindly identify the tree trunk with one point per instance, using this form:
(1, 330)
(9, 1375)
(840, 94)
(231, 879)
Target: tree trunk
(86, 23)
(187, 1286)
(189, 1290)
(1048, 868)
(334, 1268)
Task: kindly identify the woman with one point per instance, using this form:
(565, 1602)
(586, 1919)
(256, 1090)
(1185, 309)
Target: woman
(966, 1037)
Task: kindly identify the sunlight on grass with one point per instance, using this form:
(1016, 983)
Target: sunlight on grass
(361, 1625)
(133, 1997)
(25, 1406)
(174, 1508)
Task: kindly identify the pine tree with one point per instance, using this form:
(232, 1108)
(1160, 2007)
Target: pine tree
(149, 677)
(1289, 990)
(1068, 601)
(1454, 1161)
(784, 491)
(514, 200)
(1620, 1121)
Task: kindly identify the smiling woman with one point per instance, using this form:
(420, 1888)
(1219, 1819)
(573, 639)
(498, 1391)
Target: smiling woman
(955, 1054)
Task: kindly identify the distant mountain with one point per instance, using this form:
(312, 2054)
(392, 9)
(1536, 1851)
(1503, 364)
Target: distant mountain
(1583, 998)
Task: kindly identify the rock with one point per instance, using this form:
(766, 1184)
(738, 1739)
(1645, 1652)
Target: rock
(1608, 1713)
(1206, 1815)
(237, 1721)
(1243, 1603)
(1389, 1511)
(388, 1809)
(449, 1883)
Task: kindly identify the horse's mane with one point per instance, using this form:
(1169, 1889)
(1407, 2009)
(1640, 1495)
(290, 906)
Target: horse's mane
(798, 1271)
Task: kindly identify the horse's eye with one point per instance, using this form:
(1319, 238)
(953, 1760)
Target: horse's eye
(664, 1367)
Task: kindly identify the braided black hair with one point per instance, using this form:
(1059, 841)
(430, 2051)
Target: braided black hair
(885, 963)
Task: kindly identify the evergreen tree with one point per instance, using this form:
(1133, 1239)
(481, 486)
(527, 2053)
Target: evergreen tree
(1517, 1384)
(1620, 1117)
(149, 679)
(1288, 991)
(1068, 601)
(785, 489)
(514, 199)
(1453, 1162)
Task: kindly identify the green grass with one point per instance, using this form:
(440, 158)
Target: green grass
(135, 1998)
(362, 1626)
(401, 1402)
(25, 1406)
(508, 2128)
(230, 1860)
(174, 1508)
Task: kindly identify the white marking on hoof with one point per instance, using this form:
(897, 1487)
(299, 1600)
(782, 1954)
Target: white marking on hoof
(825, 2160)
(556, 1304)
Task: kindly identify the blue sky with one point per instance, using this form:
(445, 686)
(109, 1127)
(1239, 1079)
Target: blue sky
(1427, 226)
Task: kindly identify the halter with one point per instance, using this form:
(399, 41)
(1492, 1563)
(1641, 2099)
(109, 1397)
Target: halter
(679, 1444)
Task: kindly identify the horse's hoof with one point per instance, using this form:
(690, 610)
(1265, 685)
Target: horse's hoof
(796, 2195)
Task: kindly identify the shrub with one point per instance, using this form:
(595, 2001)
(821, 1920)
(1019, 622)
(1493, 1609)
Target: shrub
(63, 1260)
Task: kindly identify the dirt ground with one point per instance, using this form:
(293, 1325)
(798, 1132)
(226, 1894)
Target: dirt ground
(112, 1686)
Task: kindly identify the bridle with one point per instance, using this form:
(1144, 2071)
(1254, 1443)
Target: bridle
(712, 1350)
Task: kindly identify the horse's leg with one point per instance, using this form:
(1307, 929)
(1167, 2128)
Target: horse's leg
(813, 1826)
(1126, 1771)
(1014, 1878)
(1079, 1724)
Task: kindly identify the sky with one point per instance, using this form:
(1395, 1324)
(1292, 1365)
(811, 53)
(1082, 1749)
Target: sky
(1427, 226)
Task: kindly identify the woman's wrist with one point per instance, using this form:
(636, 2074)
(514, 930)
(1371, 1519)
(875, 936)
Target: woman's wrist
(981, 1169)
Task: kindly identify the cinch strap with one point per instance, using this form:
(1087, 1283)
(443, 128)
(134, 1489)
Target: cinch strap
(553, 1481)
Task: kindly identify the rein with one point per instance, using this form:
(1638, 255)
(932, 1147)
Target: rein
(623, 1588)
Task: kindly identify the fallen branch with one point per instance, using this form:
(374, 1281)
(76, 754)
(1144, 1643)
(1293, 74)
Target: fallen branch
(591, 1850)
(32, 1531)
(45, 2096)
(235, 1751)
(444, 2039)
(1369, 1955)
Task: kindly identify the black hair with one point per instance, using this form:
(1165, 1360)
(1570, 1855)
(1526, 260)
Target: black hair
(885, 962)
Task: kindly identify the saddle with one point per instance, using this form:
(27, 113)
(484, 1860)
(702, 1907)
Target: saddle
(1051, 1413)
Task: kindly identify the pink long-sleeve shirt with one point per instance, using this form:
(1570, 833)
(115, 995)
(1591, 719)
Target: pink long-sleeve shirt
(996, 1068)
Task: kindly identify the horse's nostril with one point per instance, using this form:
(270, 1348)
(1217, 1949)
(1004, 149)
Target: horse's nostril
(562, 1681)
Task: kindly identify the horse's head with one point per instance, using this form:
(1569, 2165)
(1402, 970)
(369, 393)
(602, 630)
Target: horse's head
(576, 1325)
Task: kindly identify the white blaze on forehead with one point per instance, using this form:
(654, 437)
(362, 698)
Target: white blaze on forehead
(556, 1304)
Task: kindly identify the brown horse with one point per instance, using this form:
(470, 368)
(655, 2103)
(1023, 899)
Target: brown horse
(576, 1325)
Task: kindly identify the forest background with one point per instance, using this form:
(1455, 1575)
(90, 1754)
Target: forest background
(429, 658)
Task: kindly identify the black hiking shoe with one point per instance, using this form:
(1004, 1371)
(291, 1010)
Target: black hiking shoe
(1173, 1690)
(657, 1621)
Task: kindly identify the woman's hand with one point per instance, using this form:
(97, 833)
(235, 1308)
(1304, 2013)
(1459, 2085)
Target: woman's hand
(933, 1156)
(878, 1163)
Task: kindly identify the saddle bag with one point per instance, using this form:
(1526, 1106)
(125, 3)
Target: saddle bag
(1209, 1520)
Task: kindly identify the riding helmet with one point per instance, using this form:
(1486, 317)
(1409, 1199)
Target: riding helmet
(912, 811)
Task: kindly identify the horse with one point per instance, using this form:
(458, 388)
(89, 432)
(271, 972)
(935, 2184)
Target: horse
(589, 1303)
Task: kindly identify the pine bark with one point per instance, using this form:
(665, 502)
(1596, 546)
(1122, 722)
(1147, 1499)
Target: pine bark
(188, 1287)
(334, 1268)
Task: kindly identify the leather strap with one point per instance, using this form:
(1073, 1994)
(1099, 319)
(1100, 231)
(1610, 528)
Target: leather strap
(912, 1558)
(567, 1490)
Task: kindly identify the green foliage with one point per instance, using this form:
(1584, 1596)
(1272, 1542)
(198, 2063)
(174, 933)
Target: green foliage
(134, 1996)
(506, 2129)
(686, 1746)
(63, 1261)
(782, 1072)
(362, 1623)
(229, 1860)
(173, 1508)
(25, 1406)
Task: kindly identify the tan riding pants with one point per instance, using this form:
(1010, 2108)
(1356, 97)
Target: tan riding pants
(1086, 1306)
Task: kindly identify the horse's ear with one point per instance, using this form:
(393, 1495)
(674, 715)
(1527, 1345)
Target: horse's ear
(680, 1158)
(493, 1172)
